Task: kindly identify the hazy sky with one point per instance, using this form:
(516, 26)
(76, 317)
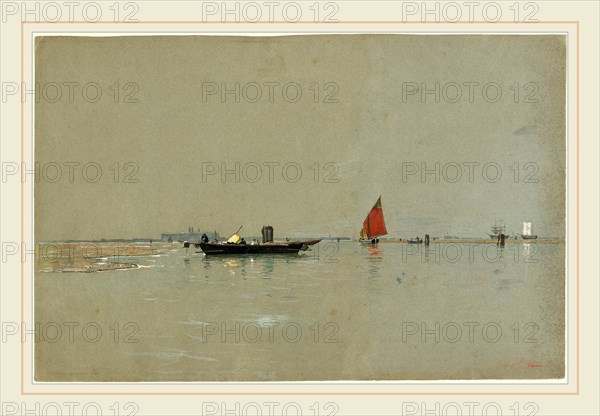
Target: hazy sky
(360, 128)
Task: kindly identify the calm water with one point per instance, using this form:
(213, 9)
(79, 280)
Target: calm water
(341, 312)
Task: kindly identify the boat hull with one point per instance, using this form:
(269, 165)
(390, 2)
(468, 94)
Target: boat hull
(529, 237)
(366, 241)
(495, 237)
(291, 247)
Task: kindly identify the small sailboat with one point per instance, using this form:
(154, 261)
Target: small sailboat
(373, 225)
(527, 231)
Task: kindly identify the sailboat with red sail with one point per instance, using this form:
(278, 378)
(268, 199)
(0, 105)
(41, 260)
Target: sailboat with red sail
(373, 225)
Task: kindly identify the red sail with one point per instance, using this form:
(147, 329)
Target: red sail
(374, 224)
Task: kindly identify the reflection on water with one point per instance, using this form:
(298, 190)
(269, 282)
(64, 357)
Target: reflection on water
(374, 255)
(257, 317)
(245, 265)
(529, 251)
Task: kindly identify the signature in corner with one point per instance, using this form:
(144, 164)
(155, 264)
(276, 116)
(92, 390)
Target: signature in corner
(517, 364)
(532, 364)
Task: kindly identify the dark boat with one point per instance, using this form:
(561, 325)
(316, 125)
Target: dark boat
(236, 245)
(415, 241)
(291, 247)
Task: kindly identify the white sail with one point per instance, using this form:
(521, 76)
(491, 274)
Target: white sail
(526, 228)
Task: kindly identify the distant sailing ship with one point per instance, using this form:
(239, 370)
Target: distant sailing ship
(527, 231)
(497, 230)
(373, 225)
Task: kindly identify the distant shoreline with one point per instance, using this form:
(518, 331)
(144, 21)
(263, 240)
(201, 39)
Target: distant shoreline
(92, 256)
(346, 239)
(546, 240)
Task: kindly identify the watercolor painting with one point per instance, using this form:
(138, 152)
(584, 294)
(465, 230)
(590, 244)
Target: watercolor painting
(300, 208)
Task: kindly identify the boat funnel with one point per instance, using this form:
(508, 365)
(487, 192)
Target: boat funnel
(267, 234)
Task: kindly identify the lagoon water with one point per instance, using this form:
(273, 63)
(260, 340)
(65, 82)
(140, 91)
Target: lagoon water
(344, 311)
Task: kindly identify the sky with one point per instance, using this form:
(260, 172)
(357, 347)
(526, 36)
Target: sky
(156, 134)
